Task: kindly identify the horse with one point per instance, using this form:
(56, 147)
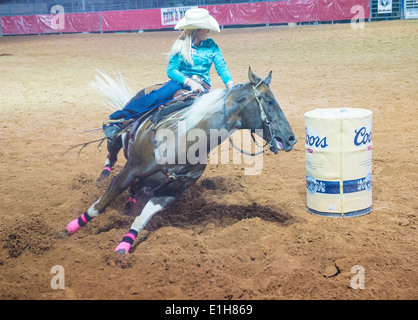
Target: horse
(169, 174)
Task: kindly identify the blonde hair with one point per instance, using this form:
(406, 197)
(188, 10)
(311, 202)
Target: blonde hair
(183, 44)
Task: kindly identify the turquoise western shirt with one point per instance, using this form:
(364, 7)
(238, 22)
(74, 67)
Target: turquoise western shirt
(203, 56)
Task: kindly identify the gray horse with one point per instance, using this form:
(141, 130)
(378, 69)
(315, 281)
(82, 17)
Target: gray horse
(160, 156)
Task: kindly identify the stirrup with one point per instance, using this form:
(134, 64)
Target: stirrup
(112, 130)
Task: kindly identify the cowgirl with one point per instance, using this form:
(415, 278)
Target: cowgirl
(191, 58)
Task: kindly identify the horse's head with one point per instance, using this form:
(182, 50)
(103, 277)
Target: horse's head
(262, 111)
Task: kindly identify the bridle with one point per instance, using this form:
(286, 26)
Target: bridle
(264, 118)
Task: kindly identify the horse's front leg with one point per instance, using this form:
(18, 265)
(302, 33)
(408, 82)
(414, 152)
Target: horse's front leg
(154, 205)
(162, 198)
(119, 184)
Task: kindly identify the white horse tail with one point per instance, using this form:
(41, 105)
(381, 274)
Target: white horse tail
(115, 91)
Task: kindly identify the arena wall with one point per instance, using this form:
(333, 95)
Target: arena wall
(258, 13)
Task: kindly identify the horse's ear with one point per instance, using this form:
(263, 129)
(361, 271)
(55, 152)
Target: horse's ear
(267, 80)
(253, 78)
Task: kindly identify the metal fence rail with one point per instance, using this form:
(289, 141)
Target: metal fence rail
(395, 10)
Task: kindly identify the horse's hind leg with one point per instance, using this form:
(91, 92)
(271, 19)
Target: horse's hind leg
(119, 184)
(113, 146)
(130, 203)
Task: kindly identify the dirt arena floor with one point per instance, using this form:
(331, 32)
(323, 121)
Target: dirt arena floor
(232, 236)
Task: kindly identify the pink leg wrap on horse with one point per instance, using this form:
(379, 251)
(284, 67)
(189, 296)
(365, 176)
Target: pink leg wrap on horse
(133, 200)
(73, 226)
(76, 224)
(127, 241)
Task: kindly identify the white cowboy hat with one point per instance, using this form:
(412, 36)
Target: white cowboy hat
(198, 19)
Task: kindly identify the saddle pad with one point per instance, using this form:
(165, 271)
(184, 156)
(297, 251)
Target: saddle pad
(156, 115)
(173, 106)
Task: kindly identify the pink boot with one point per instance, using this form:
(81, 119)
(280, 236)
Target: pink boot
(127, 242)
(123, 247)
(76, 224)
(73, 226)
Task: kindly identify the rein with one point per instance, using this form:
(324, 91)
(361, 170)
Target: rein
(269, 144)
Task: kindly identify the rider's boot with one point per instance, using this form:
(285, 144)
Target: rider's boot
(112, 130)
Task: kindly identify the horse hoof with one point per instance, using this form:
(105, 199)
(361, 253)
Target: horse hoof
(73, 226)
(63, 234)
(123, 247)
(105, 174)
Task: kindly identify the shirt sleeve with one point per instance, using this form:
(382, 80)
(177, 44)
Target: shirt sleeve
(173, 69)
(221, 67)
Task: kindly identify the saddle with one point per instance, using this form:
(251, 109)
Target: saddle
(182, 99)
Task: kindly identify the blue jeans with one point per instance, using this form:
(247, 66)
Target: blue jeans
(138, 105)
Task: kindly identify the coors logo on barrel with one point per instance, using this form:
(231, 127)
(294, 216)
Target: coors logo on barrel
(362, 136)
(314, 139)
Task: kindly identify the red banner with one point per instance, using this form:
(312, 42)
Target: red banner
(51, 23)
(287, 11)
(291, 11)
(315, 10)
(226, 14)
(131, 20)
(239, 13)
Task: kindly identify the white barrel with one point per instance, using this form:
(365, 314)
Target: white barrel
(338, 152)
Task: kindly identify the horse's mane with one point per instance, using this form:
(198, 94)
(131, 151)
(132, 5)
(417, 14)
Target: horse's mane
(182, 121)
(204, 107)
